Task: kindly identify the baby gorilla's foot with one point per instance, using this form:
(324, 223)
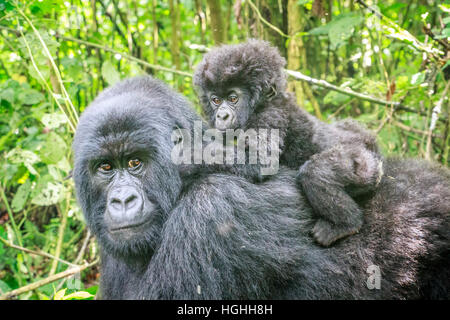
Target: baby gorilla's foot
(326, 233)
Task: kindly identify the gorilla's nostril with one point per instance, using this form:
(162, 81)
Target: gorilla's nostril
(225, 117)
(116, 204)
(131, 201)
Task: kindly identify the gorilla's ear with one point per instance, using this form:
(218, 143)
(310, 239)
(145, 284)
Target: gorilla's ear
(177, 134)
(271, 92)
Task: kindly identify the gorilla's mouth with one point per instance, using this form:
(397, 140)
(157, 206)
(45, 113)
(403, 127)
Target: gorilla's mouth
(130, 226)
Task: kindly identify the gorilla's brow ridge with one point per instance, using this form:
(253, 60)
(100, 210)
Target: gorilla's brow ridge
(123, 144)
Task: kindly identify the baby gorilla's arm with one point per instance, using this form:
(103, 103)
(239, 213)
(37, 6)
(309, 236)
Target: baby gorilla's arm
(330, 179)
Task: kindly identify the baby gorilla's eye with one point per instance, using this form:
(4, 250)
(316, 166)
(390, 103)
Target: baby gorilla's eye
(233, 98)
(216, 100)
(105, 167)
(134, 163)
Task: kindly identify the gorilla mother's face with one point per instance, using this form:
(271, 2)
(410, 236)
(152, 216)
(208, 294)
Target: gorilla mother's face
(124, 177)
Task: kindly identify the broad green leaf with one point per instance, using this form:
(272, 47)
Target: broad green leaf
(60, 294)
(25, 157)
(303, 2)
(43, 69)
(417, 78)
(78, 295)
(109, 73)
(339, 29)
(52, 193)
(4, 287)
(21, 196)
(336, 98)
(31, 96)
(53, 120)
(63, 165)
(8, 95)
(53, 149)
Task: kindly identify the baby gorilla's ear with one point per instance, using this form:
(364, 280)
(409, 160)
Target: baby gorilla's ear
(177, 134)
(271, 92)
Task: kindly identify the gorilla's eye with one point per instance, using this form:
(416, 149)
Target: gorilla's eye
(105, 167)
(134, 163)
(216, 100)
(233, 98)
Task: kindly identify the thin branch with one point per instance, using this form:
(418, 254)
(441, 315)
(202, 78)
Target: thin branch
(126, 56)
(265, 21)
(62, 228)
(411, 129)
(347, 91)
(43, 282)
(38, 253)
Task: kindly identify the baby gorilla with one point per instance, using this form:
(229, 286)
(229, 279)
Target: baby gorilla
(243, 87)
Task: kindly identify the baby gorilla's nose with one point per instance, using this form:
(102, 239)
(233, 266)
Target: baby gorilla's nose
(124, 205)
(224, 119)
(223, 115)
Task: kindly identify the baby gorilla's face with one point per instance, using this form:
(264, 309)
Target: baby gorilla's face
(230, 108)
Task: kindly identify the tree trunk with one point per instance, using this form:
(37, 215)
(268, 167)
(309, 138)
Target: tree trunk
(215, 13)
(296, 56)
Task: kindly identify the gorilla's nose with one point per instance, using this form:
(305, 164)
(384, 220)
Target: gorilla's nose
(223, 115)
(124, 205)
(224, 119)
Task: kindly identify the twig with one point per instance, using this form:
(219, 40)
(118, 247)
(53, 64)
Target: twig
(78, 258)
(83, 247)
(40, 283)
(62, 227)
(443, 42)
(265, 21)
(126, 56)
(38, 253)
(411, 129)
(346, 91)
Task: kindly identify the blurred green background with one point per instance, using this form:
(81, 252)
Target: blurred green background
(56, 56)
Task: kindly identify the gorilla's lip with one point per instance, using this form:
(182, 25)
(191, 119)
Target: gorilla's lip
(131, 226)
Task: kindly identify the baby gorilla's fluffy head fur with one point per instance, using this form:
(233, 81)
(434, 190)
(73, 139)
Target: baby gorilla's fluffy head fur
(255, 65)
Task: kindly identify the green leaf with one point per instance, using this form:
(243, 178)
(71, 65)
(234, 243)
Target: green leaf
(52, 193)
(53, 149)
(79, 295)
(417, 78)
(303, 2)
(8, 95)
(21, 196)
(60, 294)
(25, 157)
(43, 69)
(31, 96)
(4, 287)
(53, 120)
(339, 29)
(109, 73)
(336, 98)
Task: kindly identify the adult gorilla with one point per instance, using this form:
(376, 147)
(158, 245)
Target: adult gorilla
(164, 234)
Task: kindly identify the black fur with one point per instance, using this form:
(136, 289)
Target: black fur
(339, 161)
(221, 237)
